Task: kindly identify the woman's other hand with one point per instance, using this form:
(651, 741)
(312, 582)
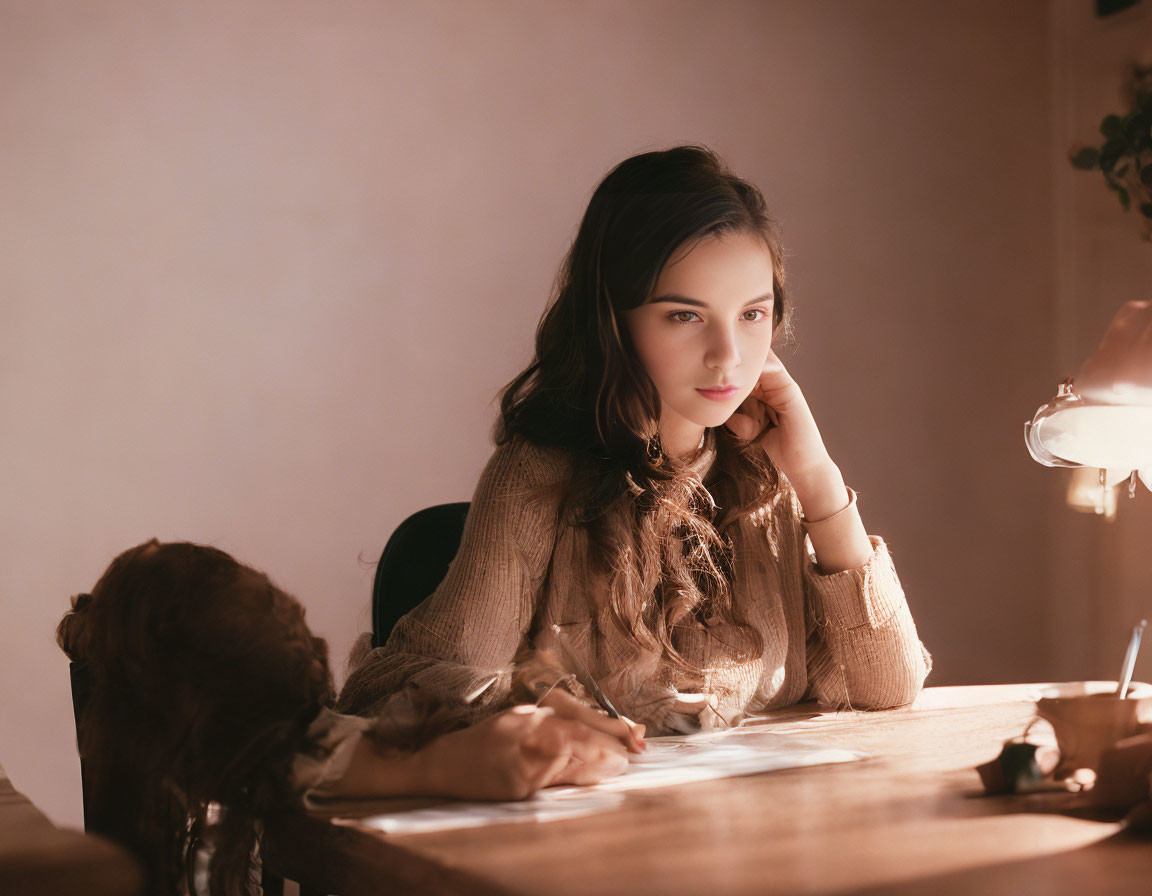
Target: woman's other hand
(796, 448)
(793, 443)
(515, 753)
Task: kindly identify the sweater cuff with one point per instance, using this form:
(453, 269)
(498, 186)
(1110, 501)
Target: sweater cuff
(439, 698)
(869, 595)
(332, 739)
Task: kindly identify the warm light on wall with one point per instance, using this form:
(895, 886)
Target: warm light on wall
(1093, 491)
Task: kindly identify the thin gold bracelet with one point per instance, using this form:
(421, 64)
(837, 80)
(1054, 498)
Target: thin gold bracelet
(851, 503)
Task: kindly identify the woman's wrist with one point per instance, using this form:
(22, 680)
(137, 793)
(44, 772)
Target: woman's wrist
(809, 521)
(374, 771)
(840, 542)
(821, 492)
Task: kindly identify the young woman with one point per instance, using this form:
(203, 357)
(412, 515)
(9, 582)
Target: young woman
(208, 688)
(645, 520)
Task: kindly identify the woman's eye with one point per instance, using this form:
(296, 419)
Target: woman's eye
(683, 317)
(754, 314)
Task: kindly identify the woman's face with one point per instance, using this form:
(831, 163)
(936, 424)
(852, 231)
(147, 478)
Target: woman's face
(705, 333)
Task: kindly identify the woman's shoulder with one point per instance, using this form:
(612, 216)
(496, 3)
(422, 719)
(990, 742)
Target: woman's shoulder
(524, 464)
(525, 481)
(519, 496)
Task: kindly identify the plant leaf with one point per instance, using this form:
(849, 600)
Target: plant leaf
(1112, 126)
(1138, 130)
(1146, 209)
(1110, 153)
(1085, 158)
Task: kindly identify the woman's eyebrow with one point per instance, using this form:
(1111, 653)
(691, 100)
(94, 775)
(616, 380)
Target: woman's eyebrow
(672, 298)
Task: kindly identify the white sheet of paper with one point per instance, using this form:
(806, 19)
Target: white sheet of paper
(668, 760)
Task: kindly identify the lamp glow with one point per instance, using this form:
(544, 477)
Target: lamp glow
(1070, 431)
(1108, 423)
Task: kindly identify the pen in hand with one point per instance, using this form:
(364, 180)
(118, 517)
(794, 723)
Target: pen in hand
(601, 698)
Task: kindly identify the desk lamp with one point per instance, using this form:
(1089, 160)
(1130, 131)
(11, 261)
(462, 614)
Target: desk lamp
(1102, 419)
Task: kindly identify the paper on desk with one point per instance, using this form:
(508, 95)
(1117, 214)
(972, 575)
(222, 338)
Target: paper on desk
(668, 760)
(450, 816)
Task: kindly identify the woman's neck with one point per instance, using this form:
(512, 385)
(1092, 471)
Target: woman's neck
(682, 442)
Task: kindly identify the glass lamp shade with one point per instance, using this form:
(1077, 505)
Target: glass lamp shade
(1070, 431)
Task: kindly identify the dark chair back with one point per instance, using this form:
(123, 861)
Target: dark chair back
(81, 689)
(415, 560)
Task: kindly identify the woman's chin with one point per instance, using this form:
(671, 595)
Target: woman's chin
(717, 419)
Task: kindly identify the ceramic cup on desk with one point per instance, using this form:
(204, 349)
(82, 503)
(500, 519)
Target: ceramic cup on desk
(1089, 717)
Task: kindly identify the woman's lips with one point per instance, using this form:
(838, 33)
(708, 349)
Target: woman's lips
(719, 394)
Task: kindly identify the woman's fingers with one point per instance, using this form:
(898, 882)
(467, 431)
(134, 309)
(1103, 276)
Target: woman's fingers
(544, 755)
(564, 751)
(515, 753)
(586, 755)
(630, 734)
(770, 395)
(627, 732)
(745, 421)
(594, 754)
(775, 387)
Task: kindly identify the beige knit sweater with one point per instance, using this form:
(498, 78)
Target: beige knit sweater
(847, 639)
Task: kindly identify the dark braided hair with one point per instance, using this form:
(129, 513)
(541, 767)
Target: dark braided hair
(205, 679)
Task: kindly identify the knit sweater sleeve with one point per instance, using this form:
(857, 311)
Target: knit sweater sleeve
(448, 663)
(862, 648)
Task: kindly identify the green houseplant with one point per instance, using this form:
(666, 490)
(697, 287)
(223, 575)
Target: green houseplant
(1125, 155)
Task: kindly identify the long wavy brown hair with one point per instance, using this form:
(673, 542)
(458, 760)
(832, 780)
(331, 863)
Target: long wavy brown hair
(655, 531)
(204, 679)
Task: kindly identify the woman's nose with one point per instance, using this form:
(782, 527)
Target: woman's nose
(723, 352)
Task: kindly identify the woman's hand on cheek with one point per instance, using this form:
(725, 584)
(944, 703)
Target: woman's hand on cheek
(757, 409)
(793, 443)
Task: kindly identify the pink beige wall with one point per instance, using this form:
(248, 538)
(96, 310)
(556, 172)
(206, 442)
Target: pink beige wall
(267, 264)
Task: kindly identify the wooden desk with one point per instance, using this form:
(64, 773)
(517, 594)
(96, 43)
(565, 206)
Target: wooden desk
(37, 858)
(910, 820)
